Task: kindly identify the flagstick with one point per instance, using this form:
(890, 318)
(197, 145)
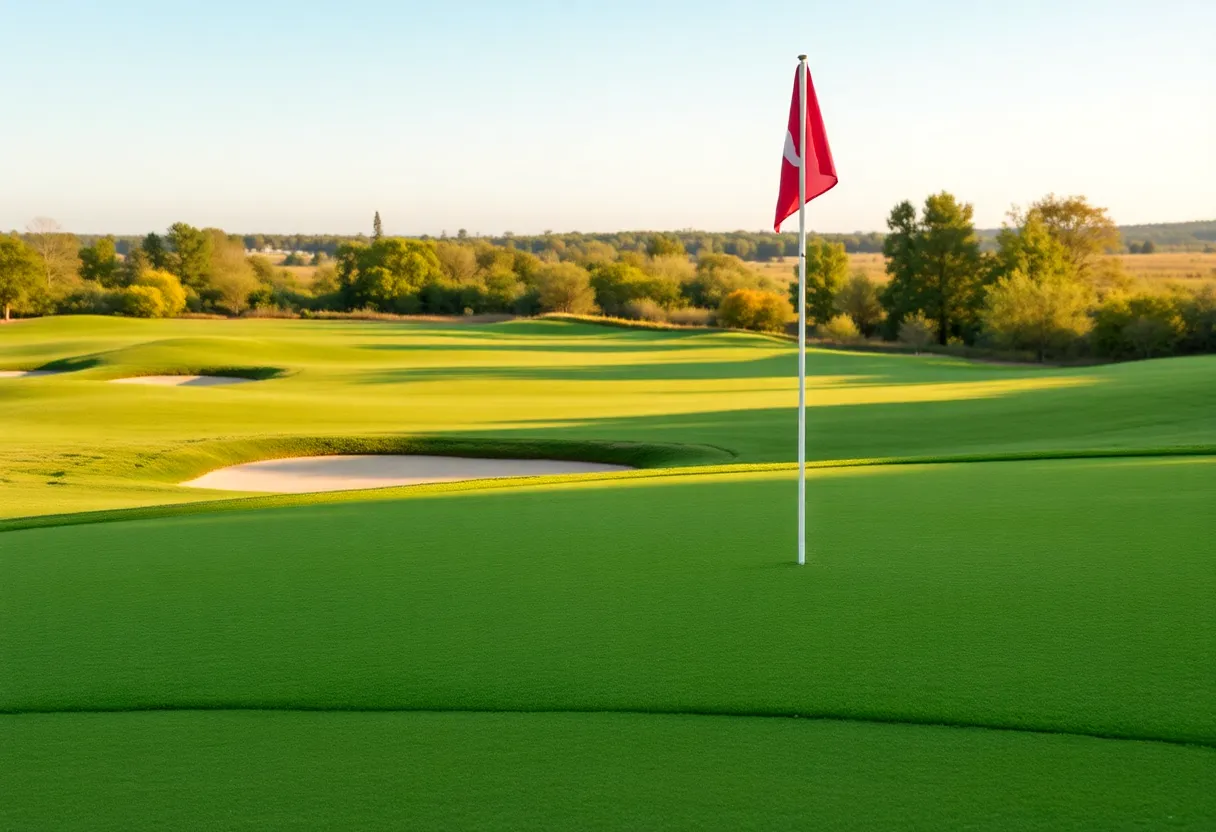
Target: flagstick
(802, 157)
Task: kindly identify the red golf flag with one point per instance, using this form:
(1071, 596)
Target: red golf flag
(820, 171)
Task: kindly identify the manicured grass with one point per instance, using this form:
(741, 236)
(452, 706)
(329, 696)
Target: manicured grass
(74, 443)
(981, 644)
(1053, 596)
(262, 770)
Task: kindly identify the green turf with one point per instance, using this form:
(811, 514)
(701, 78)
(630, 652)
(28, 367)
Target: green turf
(259, 770)
(1055, 596)
(994, 645)
(75, 443)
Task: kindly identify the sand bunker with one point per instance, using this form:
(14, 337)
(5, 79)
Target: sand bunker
(346, 473)
(28, 373)
(182, 381)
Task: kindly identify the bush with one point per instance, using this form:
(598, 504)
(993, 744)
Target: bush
(1198, 311)
(172, 293)
(717, 275)
(754, 309)
(90, 299)
(917, 331)
(644, 309)
(858, 299)
(1137, 326)
(691, 316)
(142, 302)
(1048, 316)
(840, 328)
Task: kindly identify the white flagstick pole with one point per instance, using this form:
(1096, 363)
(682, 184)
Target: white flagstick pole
(802, 155)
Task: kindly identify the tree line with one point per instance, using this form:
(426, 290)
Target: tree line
(1043, 286)
(1044, 289)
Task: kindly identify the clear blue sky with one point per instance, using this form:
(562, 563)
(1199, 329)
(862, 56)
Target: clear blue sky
(269, 115)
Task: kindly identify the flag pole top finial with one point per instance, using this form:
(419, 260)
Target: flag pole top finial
(802, 57)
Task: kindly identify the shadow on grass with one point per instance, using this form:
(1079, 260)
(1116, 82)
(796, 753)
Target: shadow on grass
(783, 364)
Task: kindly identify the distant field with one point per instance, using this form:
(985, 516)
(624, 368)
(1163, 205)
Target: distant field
(872, 265)
(304, 274)
(1148, 270)
(1177, 267)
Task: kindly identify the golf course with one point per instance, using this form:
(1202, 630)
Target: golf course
(1006, 620)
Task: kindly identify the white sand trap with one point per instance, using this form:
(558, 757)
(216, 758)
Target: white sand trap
(28, 373)
(306, 474)
(182, 381)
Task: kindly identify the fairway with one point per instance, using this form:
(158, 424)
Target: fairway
(1006, 620)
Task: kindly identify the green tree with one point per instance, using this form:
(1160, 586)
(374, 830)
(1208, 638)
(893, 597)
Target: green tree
(827, 270)
(859, 300)
(1047, 316)
(1149, 247)
(1137, 326)
(1084, 231)
(20, 271)
(619, 284)
(388, 275)
(229, 278)
(935, 266)
(377, 227)
(154, 250)
(99, 262)
(565, 287)
(132, 266)
(717, 275)
(1039, 302)
(459, 262)
(190, 259)
(662, 245)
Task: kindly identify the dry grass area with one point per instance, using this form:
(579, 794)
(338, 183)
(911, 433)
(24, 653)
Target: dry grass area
(1146, 270)
(1186, 267)
(872, 265)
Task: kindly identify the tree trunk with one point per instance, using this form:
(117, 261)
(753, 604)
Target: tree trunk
(6, 311)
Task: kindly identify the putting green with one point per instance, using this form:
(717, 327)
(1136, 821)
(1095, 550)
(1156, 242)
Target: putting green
(1014, 644)
(276, 770)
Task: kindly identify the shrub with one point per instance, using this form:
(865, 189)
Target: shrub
(1047, 316)
(754, 309)
(644, 309)
(858, 299)
(172, 293)
(1198, 310)
(917, 331)
(717, 275)
(90, 299)
(691, 316)
(840, 328)
(1137, 326)
(142, 302)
